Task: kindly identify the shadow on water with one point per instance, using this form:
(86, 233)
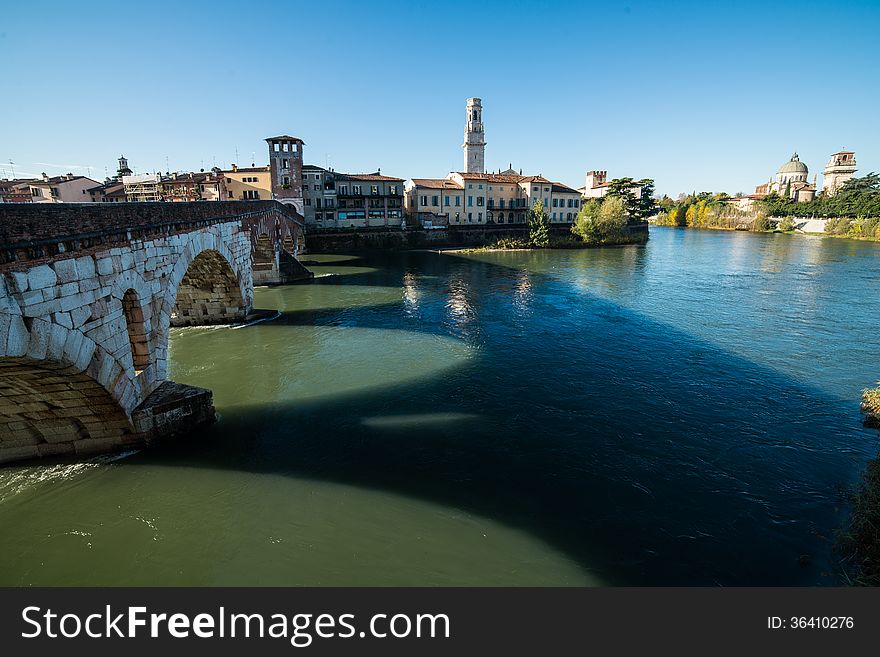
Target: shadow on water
(648, 455)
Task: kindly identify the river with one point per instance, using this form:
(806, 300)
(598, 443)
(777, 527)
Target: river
(684, 412)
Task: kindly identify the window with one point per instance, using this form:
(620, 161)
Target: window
(393, 190)
(285, 180)
(546, 189)
(445, 200)
(251, 194)
(555, 202)
(285, 163)
(480, 200)
(470, 185)
(480, 217)
(435, 201)
(343, 190)
(317, 188)
(317, 203)
(356, 190)
(308, 201)
(319, 216)
(424, 200)
(374, 190)
(470, 201)
(553, 217)
(458, 201)
(277, 146)
(479, 187)
(470, 216)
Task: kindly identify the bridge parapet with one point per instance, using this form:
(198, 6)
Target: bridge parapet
(87, 306)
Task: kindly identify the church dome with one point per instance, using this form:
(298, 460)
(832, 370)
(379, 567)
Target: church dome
(794, 165)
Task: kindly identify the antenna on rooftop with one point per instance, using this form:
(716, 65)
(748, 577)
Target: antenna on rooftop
(236, 155)
(12, 166)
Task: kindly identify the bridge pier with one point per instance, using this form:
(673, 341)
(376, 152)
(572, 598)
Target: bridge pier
(85, 317)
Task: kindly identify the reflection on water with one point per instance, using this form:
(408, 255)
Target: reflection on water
(680, 413)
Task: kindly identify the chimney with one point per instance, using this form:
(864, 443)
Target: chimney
(234, 168)
(45, 177)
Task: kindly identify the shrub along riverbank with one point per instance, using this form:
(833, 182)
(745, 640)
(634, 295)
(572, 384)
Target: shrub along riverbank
(860, 544)
(853, 212)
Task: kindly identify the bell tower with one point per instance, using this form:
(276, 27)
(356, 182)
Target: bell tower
(474, 138)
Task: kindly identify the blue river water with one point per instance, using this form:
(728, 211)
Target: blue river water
(684, 412)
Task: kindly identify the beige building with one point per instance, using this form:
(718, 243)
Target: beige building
(248, 183)
(840, 168)
(487, 198)
(62, 189)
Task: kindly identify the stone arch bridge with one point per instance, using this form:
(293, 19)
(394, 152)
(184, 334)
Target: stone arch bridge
(88, 293)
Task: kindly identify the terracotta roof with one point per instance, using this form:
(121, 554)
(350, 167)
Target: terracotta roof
(106, 186)
(247, 170)
(366, 176)
(559, 187)
(436, 183)
(57, 180)
(500, 177)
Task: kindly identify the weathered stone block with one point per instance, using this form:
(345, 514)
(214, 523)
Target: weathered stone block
(66, 270)
(105, 266)
(41, 276)
(85, 268)
(63, 319)
(18, 281)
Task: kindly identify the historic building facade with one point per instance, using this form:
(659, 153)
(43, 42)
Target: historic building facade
(840, 168)
(487, 198)
(62, 189)
(351, 200)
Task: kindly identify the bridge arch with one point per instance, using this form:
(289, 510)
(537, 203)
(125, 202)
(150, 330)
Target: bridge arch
(50, 408)
(207, 285)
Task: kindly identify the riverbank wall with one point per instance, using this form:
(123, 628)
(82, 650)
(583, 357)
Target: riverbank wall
(359, 239)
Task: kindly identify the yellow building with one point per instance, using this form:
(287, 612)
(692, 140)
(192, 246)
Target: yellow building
(248, 184)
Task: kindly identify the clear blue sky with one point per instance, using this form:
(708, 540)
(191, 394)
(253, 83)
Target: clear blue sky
(697, 95)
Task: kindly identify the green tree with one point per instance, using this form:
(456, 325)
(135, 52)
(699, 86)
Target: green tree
(601, 222)
(622, 188)
(647, 205)
(539, 226)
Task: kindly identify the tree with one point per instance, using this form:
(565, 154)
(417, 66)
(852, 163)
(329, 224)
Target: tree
(647, 205)
(622, 188)
(601, 222)
(539, 226)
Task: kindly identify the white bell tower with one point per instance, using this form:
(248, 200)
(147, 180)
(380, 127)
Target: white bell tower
(474, 138)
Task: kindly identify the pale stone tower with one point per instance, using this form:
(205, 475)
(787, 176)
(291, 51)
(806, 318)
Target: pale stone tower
(474, 138)
(839, 169)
